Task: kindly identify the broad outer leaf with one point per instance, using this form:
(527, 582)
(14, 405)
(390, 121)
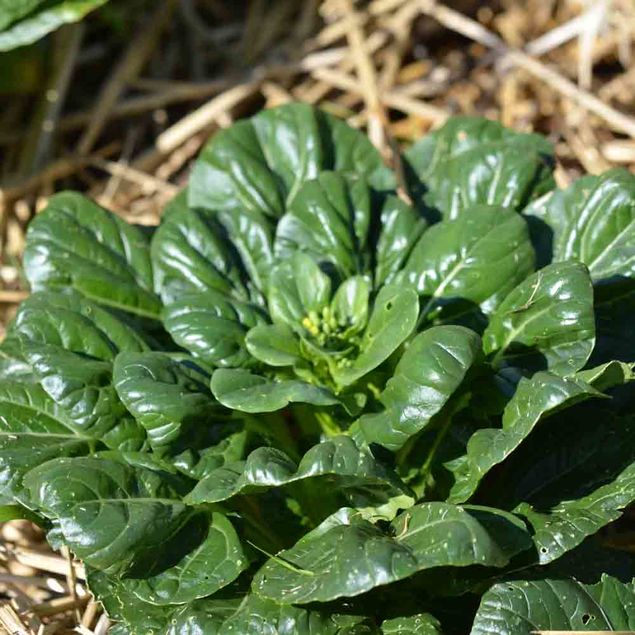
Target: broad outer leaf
(83, 388)
(579, 484)
(13, 10)
(212, 327)
(73, 323)
(258, 164)
(344, 560)
(191, 254)
(546, 322)
(75, 243)
(475, 260)
(170, 399)
(337, 462)
(69, 343)
(393, 318)
(31, 21)
(241, 390)
(33, 429)
(114, 517)
(212, 565)
(257, 616)
(427, 375)
(521, 607)
(422, 624)
(535, 399)
(471, 160)
(565, 526)
(593, 221)
(133, 616)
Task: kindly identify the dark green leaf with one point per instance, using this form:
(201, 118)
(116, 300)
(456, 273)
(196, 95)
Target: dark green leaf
(210, 566)
(75, 243)
(116, 518)
(334, 219)
(171, 400)
(521, 607)
(191, 254)
(535, 399)
(258, 164)
(471, 262)
(338, 462)
(33, 429)
(427, 375)
(212, 327)
(423, 624)
(23, 22)
(593, 221)
(471, 160)
(257, 616)
(546, 322)
(347, 555)
(244, 391)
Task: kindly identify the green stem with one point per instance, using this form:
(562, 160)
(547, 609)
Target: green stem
(328, 425)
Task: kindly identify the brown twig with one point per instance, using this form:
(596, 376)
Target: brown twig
(469, 28)
(130, 65)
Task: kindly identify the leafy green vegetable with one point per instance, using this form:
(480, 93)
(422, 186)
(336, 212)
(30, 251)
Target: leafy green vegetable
(525, 606)
(270, 416)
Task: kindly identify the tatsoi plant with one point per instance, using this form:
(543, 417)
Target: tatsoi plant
(309, 404)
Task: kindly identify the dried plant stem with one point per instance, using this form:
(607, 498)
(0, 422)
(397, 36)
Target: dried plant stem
(456, 21)
(128, 68)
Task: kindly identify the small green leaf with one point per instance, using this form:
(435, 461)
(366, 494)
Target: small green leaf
(393, 318)
(273, 344)
(244, 391)
(297, 290)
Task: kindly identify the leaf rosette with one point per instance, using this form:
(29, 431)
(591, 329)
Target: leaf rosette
(302, 405)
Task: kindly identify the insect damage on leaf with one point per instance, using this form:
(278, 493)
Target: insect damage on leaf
(317, 410)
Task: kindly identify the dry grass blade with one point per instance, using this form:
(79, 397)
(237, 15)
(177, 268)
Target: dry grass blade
(128, 68)
(468, 27)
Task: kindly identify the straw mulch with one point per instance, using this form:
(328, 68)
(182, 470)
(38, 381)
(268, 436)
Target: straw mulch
(131, 97)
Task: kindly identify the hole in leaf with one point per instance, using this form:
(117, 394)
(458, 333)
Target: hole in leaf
(543, 550)
(586, 618)
(388, 306)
